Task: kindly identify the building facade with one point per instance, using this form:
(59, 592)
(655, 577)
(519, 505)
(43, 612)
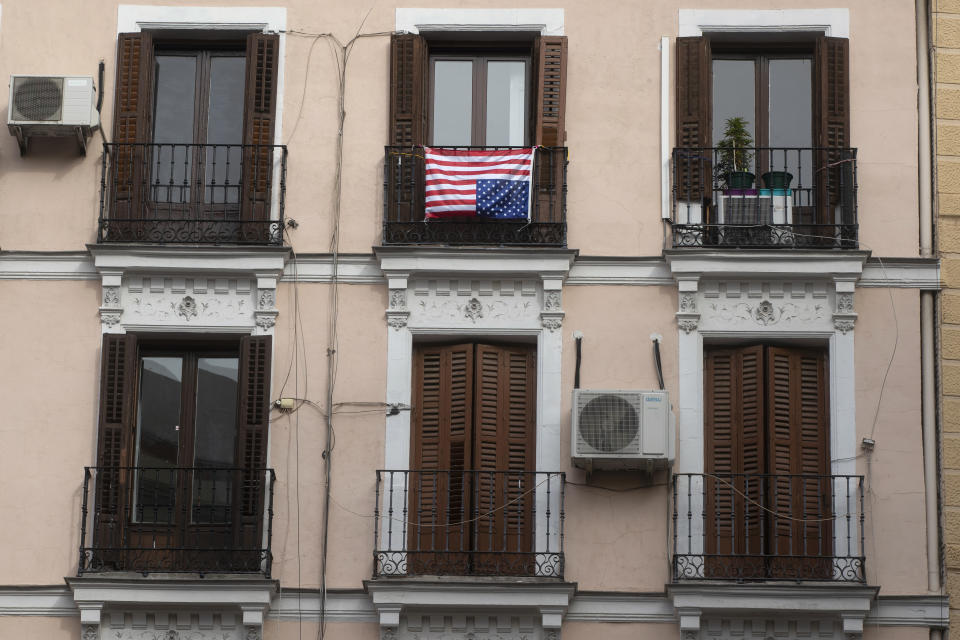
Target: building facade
(265, 379)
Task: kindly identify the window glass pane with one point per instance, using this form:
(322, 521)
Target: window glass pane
(225, 127)
(506, 88)
(452, 102)
(733, 97)
(215, 438)
(791, 118)
(173, 126)
(158, 438)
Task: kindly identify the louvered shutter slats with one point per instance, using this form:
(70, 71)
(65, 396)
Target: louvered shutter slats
(132, 123)
(263, 50)
(551, 76)
(693, 176)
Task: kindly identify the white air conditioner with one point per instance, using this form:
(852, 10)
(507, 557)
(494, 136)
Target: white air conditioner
(616, 429)
(52, 106)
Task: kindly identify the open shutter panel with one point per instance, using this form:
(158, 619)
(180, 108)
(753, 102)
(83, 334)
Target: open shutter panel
(503, 454)
(263, 52)
(692, 172)
(832, 125)
(797, 432)
(551, 79)
(439, 493)
(117, 386)
(408, 90)
(132, 123)
(252, 422)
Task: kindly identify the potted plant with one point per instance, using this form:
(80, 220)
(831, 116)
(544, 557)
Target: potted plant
(777, 179)
(734, 155)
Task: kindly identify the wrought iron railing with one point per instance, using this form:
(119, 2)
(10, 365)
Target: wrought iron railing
(476, 523)
(192, 193)
(768, 527)
(403, 205)
(186, 519)
(800, 198)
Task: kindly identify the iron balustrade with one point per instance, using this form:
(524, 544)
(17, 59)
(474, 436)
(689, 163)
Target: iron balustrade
(469, 523)
(403, 200)
(768, 527)
(716, 207)
(185, 519)
(192, 193)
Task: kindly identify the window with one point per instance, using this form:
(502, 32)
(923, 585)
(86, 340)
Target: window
(193, 136)
(768, 510)
(473, 460)
(182, 446)
(484, 93)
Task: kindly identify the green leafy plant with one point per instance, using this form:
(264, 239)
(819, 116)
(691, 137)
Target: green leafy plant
(734, 150)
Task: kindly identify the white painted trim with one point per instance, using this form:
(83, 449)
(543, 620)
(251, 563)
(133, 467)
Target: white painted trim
(132, 18)
(831, 22)
(665, 128)
(188, 260)
(626, 271)
(356, 606)
(27, 265)
(547, 22)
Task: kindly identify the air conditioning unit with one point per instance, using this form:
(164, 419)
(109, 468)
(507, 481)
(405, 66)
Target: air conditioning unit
(52, 106)
(617, 429)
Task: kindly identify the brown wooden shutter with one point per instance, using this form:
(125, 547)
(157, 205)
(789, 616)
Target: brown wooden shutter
(117, 388)
(551, 84)
(440, 491)
(798, 445)
(253, 418)
(132, 123)
(263, 57)
(734, 456)
(692, 171)
(408, 90)
(832, 125)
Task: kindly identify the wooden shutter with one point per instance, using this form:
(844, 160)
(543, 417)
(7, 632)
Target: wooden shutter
(504, 426)
(550, 64)
(408, 90)
(132, 123)
(692, 171)
(798, 460)
(263, 53)
(252, 429)
(439, 492)
(832, 125)
(734, 452)
(117, 388)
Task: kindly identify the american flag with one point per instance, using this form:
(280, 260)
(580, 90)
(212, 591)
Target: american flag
(474, 182)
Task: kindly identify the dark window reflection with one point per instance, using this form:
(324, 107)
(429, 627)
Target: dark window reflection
(215, 438)
(158, 438)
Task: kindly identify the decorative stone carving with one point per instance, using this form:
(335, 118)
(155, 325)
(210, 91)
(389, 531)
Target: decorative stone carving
(688, 303)
(551, 323)
(110, 318)
(388, 633)
(551, 301)
(690, 635)
(91, 632)
(551, 634)
(111, 296)
(253, 633)
(398, 299)
(187, 308)
(266, 321)
(171, 634)
(845, 318)
(397, 320)
(844, 303)
(266, 300)
(843, 325)
(473, 310)
(688, 324)
(766, 313)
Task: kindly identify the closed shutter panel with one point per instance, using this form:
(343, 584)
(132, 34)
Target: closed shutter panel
(504, 406)
(692, 171)
(734, 413)
(408, 127)
(797, 432)
(439, 495)
(132, 123)
(551, 99)
(252, 428)
(263, 52)
(832, 127)
(117, 386)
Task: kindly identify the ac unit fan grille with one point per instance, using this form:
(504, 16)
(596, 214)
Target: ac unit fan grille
(608, 423)
(37, 99)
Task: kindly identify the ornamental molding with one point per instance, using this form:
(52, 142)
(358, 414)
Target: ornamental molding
(466, 304)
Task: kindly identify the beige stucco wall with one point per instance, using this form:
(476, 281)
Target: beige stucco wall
(65, 628)
(613, 113)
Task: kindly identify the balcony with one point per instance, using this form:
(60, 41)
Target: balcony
(403, 212)
(190, 519)
(747, 527)
(788, 198)
(469, 523)
(192, 194)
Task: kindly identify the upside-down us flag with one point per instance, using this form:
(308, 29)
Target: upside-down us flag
(474, 182)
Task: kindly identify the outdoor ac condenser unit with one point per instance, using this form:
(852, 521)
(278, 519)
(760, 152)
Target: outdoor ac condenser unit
(52, 106)
(617, 429)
